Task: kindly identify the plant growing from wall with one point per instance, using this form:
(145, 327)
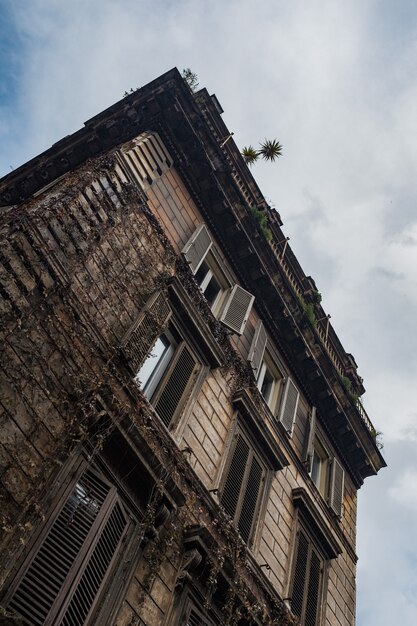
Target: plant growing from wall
(308, 311)
(261, 220)
(190, 78)
(317, 297)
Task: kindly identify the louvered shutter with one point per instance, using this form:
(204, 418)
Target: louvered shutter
(336, 487)
(300, 574)
(197, 247)
(289, 405)
(257, 348)
(313, 589)
(233, 484)
(175, 384)
(250, 499)
(237, 308)
(309, 449)
(194, 619)
(147, 159)
(141, 336)
(71, 564)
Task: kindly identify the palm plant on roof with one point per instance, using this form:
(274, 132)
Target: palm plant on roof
(268, 150)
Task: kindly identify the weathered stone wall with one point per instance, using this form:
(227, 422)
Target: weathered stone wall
(79, 265)
(77, 268)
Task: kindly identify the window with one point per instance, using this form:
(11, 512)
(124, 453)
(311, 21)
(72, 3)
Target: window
(325, 470)
(167, 374)
(63, 578)
(320, 464)
(307, 580)
(212, 282)
(242, 489)
(281, 395)
(229, 302)
(269, 382)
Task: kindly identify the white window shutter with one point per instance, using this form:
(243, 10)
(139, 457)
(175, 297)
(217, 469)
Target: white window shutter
(289, 405)
(237, 308)
(308, 457)
(257, 348)
(197, 247)
(336, 487)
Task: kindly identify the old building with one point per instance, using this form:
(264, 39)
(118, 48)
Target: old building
(182, 438)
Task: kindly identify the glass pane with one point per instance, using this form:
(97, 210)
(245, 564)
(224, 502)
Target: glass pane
(315, 468)
(201, 273)
(152, 361)
(267, 385)
(212, 291)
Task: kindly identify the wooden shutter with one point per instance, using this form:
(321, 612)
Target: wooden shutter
(237, 308)
(289, 405)
(257, 348)
(175, 384)
(313, 589)
(336, 487)
(242, 488)
(307, 579)
(195, 619)
(235, 476)
(250, 499)
(300, 574)
(311, 433)
(197, 247)
(71, 564)
(141, 336)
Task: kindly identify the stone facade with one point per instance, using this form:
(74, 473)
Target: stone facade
(181, 441)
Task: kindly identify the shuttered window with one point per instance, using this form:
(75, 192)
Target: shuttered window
(237, 308)
(289, 405)
(167, 375)
(62, 582)
(257, 348)
(229, 303)
(175, 384)
(325, 470)
(242, 490)
(307, 580)
(197, 247)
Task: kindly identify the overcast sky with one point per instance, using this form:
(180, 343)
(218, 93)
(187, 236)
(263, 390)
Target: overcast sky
(336, 82)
